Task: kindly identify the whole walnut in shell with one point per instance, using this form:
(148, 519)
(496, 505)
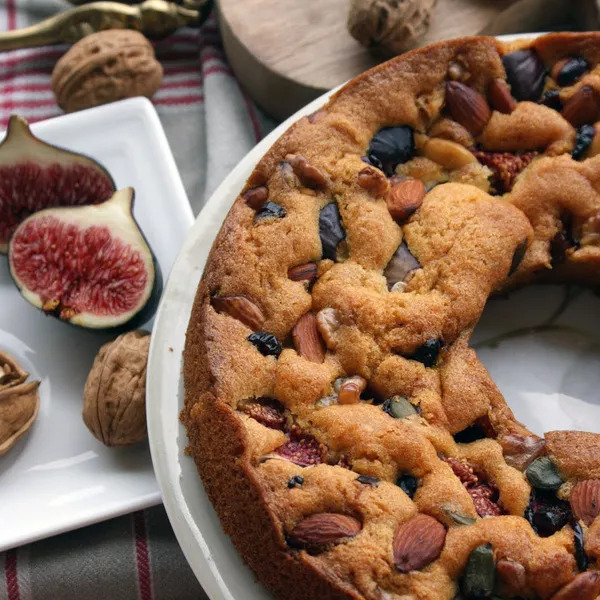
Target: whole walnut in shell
(395, 26)
(114, 398)
(104, 67)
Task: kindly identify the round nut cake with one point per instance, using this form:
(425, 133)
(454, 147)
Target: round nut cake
(349, 438)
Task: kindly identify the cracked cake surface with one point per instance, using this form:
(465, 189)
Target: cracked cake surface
(351, 441)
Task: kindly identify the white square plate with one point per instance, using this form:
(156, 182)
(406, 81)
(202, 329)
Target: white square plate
(58, 477)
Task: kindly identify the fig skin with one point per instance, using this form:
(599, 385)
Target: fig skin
(115, 215)
(29, 158)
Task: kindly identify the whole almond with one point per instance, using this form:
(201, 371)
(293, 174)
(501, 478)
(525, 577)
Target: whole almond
(512, 575)
(585, 500)
(374, 181)
(418, 542)
(585, 586)
(307, 340)
(583, 106)
(240, 308)
(467, 106)
(324, 529)
(404, 198)
(309, 175)
(305, 272)
(500, 97)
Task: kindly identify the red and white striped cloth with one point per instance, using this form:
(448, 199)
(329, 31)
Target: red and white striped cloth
(211, 125)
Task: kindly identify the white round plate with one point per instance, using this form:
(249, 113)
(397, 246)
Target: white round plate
(550, 378)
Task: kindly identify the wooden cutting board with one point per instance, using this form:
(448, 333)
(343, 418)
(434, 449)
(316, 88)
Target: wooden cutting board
(287, 52)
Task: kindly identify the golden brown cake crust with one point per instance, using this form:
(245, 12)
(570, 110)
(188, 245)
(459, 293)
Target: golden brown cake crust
(350, 440)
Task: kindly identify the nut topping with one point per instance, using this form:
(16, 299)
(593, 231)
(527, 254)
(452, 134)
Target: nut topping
(240, 308)
(417, 543)
(11, 373)
(500, 97)
(405, 197)
(585, 500)
(18, 409)
(322, 530)
(307, 340)
(453, 131)
(328, 323)
(351, 389)
(467, 106)
(374, 181)
(256, 197)
(310, 176)
(583, 106)
(448, 154)
(305, 272)
(585, 586)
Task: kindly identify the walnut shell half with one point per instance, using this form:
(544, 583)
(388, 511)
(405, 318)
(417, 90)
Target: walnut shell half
(11, 373)
(106, 66)
(19, 407)
(114, 398)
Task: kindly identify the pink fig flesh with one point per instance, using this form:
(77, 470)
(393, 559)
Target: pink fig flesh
(35, 175)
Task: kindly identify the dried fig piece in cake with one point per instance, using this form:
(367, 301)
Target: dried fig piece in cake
(302, 449)
(505, 166)
(267, 411)
(525, 73)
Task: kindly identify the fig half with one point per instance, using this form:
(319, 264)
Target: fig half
(87, 265)
(35, 175)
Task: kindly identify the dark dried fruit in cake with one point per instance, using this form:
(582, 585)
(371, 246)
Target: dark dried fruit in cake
(256, 197)
(391, 146)
(368, 479)
(270, 210)
(505, 167)
(295, 481)
(520, 450)
(518, 256)
(427, 353)
(408, 484)
(551, 99)
(578, 541)
(267, 343)
(583, 139)
(546, 513)
(88, 265)
(401, 264)
(479, 576)
(467, 107)
(35, 175)
(525, 73)
(331, 230)
(543, 475)
(567, 71)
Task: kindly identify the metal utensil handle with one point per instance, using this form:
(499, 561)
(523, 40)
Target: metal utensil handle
(154, 18)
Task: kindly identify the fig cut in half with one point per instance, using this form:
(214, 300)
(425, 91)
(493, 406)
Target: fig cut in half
(35, 175)
(87, 265)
